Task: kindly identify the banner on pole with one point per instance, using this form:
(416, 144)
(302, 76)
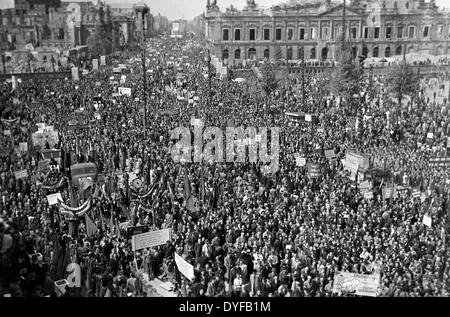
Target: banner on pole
(360, 284)
(95, 64)
(21, 174)
(103, 60)
(184, 267)
(53, 198)
(150, 239)
(125, 91)
(75, 74)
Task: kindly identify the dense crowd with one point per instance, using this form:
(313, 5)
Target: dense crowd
(246, 233)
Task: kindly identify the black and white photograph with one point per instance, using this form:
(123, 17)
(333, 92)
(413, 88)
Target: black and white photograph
(224, 153)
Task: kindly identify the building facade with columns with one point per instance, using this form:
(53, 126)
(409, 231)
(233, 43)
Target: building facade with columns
(313, 29)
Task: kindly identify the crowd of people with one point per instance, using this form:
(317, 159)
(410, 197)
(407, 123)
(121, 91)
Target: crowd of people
(246, 233)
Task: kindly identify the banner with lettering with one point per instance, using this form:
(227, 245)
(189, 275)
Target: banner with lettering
(150, 239)
(360, 284)
(184, 267)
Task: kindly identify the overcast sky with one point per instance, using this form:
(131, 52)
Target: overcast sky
(188, 9)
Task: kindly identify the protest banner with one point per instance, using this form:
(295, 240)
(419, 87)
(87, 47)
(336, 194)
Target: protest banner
(117, 70)
(368, 195)
(125, 91)
(43, 165)
(41, 136)
(439, 162)
(150, 239)
(95, 64)
(300, 161)
(23, 146)
(360, 284)
(314, 170)
(184, 267)
(426, 220)
(54, 198)
(361, 159)
(7, 132)
(430, 135)
(103, 60)
(330, 154)
(415, 193)
(21, 174)
(123, 79)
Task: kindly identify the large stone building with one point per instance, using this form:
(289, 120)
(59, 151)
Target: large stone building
(374, 28)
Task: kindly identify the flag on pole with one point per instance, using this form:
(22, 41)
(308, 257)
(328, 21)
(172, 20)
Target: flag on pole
(188, 200)
(91, 228)
(102, 223)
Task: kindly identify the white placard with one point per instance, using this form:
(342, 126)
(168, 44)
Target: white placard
(150, 239)
(361, 284)
(196, 122)
(7, 132)
(430, 135)
(426, 220)
(23, 146)
(258, 138)
(308, 117)
(103, 60)
(300, 161)
(53, 199)
(95, 64)
(21, 174)
(184, 267)
(125, 91)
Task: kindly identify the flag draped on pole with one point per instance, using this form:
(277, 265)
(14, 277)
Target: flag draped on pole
(91, 228)
(188, 199)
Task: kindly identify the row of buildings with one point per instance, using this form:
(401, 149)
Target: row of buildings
(312, 29)
(71, 26)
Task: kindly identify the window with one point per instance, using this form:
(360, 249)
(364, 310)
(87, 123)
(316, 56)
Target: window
(353, 32)
(252, 53)
(252, 34)
(400, 32)
(426, 31)
(388, 32)
(266, 34)
(312, 33)
(439, 31)
(313, 53)
(407, 5)
(324, 34)
(302, 34)
(237, 54)
(387, 52)
(267, 53)
(366, 32)
(278, 34)
(290, 34)
(237, 34)
(289, 54)
(398, 50)
(365, 51)
(376, 34)
(225, 35)
(412, 30)
(301, 53)
(225, 54)
(375, 52)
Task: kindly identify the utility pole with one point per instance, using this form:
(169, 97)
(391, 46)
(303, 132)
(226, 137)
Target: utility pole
(209, 77)
(143, 10)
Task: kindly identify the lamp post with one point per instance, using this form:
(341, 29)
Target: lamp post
(142, 9)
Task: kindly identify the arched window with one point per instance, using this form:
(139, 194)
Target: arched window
(267, 53)
(324, 53)
(354, 51)
(387, 52)
(375, 52)
(313, 53)
(289, 54)
(225, 54)
(252, 53)
(237, 54)
(407, 5)
(398, 50)
(365, 51)
(301, 53)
